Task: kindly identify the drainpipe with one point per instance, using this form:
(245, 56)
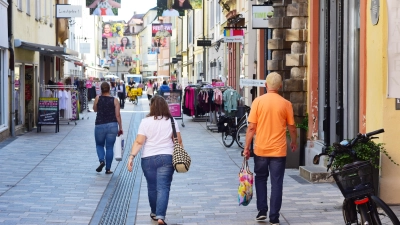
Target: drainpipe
(11, 64)
(327, 107)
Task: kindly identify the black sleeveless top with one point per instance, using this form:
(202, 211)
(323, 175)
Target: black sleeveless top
(105, 110)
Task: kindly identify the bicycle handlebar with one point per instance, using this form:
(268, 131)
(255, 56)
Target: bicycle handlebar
(349, 146)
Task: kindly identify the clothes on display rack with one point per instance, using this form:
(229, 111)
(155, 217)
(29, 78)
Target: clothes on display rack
(230, 98)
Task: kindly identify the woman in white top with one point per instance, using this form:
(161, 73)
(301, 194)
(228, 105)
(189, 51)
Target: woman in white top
(156, 138)
(150, 90)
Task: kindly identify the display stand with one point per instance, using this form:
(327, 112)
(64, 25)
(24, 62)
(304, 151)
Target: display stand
(48, 113)
(174, 100)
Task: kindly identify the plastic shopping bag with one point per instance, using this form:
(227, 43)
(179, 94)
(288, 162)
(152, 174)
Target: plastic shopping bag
(245, 190)
(119, 148)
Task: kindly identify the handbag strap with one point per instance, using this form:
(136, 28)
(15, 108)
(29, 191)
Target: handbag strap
(173, 128)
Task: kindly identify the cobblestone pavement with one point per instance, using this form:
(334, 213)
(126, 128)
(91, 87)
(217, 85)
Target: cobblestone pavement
(50, 178)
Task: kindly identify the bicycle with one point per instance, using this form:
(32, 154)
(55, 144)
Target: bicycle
(233, 130)
(356, 184)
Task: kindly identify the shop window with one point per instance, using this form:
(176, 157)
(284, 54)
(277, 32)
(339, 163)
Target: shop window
(18, 95)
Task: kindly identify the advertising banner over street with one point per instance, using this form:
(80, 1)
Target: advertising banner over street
(113, 29)
(164, 8)
(103, 7)
(121, 52)
(161, 30)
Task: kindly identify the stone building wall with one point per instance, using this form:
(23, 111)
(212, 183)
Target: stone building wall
(289, 51)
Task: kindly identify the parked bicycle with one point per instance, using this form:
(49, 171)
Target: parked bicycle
(354, 180)
(234, 130)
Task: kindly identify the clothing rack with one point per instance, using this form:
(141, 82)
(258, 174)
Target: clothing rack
(55, 86)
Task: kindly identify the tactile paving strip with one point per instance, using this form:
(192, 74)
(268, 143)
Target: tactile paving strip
(116, 210)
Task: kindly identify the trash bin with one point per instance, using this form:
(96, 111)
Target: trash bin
(296, 159)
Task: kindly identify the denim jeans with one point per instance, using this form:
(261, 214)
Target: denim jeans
(158, 171)
(274, 167)
(105, 135)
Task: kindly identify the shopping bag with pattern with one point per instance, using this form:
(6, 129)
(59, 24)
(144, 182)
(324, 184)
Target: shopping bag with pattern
(180, 158)
(245, 190)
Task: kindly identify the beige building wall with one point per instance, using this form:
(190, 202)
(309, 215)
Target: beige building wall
(33, 23)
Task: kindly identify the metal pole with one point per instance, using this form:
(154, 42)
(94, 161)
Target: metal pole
(11, 64)
(204, 47)
(327, 108)
(177, 80)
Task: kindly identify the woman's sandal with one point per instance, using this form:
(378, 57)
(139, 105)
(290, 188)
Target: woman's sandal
(100, 168)
(164, 223)
(109, 172)
(153, 216)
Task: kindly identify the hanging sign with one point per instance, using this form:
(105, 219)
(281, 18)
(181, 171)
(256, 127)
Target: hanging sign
(233, 35)
(261, 15)
(84, 48)
(68, 11)
(251, 83)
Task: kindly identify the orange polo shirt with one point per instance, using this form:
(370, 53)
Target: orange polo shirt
(272, 113)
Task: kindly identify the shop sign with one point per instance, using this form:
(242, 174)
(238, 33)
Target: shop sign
(84, 47)
(393, 48)
(397, 103)
(233, 39)
(374, 11)
(203, 42)
(173, 99)
(251, 83)
(68, 11)
(261, 15)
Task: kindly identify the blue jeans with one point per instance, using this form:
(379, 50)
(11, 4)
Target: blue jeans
(158, 171)
(105, 135)
(274, 167)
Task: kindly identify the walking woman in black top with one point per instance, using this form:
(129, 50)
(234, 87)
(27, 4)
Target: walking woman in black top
(108, 125)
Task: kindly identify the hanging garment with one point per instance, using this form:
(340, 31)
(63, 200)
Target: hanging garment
(231, 98)
(62, 99)
(68, 109)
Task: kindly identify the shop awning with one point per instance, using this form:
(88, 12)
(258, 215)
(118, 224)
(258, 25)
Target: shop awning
(45, 49)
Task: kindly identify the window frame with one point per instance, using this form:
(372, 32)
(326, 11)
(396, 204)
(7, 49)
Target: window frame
(19, 5)
(28, 7)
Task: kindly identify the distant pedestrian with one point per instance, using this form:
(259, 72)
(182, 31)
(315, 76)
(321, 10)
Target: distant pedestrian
(121, 94)
(108, 125)
(150, 90)
(155, 136)
(269, 118)
(164, 87)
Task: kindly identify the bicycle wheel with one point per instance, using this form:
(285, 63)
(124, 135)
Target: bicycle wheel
(365, 217)
(386, 215)
(241, 135)
(227, 138)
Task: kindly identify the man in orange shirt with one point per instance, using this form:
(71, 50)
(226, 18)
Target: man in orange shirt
(269, 118)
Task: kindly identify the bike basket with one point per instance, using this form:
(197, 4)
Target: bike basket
(355, 180)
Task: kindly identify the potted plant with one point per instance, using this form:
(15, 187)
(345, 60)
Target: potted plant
(365, 151)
